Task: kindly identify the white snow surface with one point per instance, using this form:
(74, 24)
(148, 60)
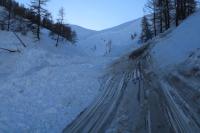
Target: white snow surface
(177, 46)
(82, 33)
(120, 36)
(9, 37)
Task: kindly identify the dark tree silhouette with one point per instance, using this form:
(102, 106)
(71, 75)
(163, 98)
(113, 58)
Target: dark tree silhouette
(146, 33)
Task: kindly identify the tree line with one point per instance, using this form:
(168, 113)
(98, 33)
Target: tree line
(39, 17)
(163, 14)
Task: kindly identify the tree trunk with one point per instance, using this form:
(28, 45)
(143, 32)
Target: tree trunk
(57, 40)
(177, 11)
(39, 19)
(154, 23)
(9, 14)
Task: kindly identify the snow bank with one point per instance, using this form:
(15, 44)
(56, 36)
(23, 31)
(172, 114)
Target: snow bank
(177, 46)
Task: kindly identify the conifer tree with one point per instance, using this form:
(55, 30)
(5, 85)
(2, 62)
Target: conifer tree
(151, 6)
(60, 20)
(146, 30)
(184, 8)
(37, 7)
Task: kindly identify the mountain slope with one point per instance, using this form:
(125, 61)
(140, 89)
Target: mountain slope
(82, 33)
(177, 46)
(123, 38)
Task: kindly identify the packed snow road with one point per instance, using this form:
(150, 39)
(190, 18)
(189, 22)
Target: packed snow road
(135, 100)
(113, 109)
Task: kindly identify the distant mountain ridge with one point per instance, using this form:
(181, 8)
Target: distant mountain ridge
(123, 37)
(82, 32)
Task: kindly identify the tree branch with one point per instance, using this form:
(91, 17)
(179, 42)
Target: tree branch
(20, 40)
(11, 51)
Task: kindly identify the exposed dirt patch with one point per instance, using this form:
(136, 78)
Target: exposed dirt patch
(137, 53)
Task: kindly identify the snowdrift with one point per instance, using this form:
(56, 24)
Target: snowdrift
(178, 45)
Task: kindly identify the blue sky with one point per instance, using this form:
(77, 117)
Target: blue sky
(96, 14)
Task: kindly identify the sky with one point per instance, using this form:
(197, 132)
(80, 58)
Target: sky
(96, 14)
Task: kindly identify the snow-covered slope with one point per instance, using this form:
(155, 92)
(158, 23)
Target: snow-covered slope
(11, 38)
(82, 33)
(123, 38)
(43, 88)
(177, 46)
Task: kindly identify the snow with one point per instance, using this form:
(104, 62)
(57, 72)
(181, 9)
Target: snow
(47, 96)
(120, 36)
(176, 46)
(9, 37)
(82, 33)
